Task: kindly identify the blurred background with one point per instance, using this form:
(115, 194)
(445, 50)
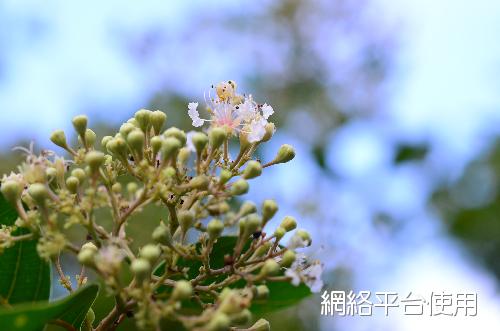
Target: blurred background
(393, 108)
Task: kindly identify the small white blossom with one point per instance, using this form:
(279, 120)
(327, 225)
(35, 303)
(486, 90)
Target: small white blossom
(267, 111)
(296, 241)
(193, 113)
(257, 130)
(109, 259)
(308, 273)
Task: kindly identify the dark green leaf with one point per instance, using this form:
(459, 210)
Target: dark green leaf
(282, 294)
(24, 276)
(32, 317)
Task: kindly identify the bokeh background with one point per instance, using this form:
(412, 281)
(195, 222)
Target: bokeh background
(393, 107)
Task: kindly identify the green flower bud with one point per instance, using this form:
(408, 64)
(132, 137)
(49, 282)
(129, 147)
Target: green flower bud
(118, 147)
(279, 232)
(220, 322)
(135, 140)
(304, 235)
(168, 172)
(217, 137)
(270, 130)
(252, 170)
(105, 140)
(200, 141)
(117, 188)
(90, 137)
(244, 143)
(241, 318)
(141, 268)
(182, 290)
(225, 176)
(184, 154)
(87, 256)
(38, 193)
(186, 219)
(288, 259)
(80, 174)
(262, 250)
(286, 153)
(72, 184)
(51, 173)
(134, 122)
(125, 129)
(215, 228)
(94, 159)
(289, 223)
(269, 209)
(12, 190)
(132, 188)
(270, 268)
(261, 325)
(143, 118)
(59, 138)
(156, 144)
(253, 223)
(239, 187)
(90, 245)
(247, 207)
(262, 292)
(150, 252)
(158, 119)
(80, 124)
(176, 133)
(162, 235)
(170, 146)
(199, 182)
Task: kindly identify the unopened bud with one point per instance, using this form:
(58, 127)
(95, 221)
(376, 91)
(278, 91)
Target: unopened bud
(269, 209)
(117, 188)
(156, 144)
(279, 232)
(225, 176)
(125, 129)
(11, 190)
(242, 317)
(51, 173)
(247, 207)
(288, 259)
(304, 235)
(90, 137)
(162, 235)
(38, 193)
(270, 268)
(184, 154)
(170, 146)
(200, 141)
(141, 268)
(79, 173)
(72, 184)
(176, 133)
(253, 223)
(136, 140)
(289, 223)
(80, 124)
(239, 187)
(186, 219)
(105, 140)
(199, 182)
(217, 137)
(261, 325)
(252, 170)
(150, 252)
(143, 118)
(87, 256)
(286, 153)
(158, 119)
(270, 130)
(89, 245)
(263, 249)
(182, 290)
(262, 292)
(220, 322)
(132, 188)
(215, 228)
(94, 159)
(117, 146)
(59, 138)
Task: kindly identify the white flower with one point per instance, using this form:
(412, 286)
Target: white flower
(257, 130)
(247, 110)
(312, 275)
(267, 111)
(189, 141)
(308, 273)
(296, 241)
(193, 113)
(294, 275)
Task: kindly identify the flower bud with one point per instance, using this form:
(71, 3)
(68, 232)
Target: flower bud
(220, 322)
(270, 130)
(125, 129)
(133, 121)
(261, 325)
(38, 193)
(252, 170)
(253, 223)
(156, 142)
(241, 318)
(288, 259)
(279, 232)
(94, 159)
(90, 137)
(176, 133)
(118, 147)
(158, 119)
(90, 245)
(117, 188)
(262, 292)
(59, 138)
(51, 173)
(269, 209)
(289, 223)
(79, 173)
(184, 154)
(87, 256)
(286, 153)
(143, 118)
(80, 124)
(239, 187)
(247, 207)
(135, 140)
(215, 228)
(186, 219)
(304, 235)
(12, 190)
(132, 188)
(150, 252)
(270, 268)
(162, 235)
(217, 137)
(169, 147)
(72, 184)
(141, 268)
(200, 141)
(263, 249)
(105, 140)
(225, 176)
(182, 290)
(199, 182)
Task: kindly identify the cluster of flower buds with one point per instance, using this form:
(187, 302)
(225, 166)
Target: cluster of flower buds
(195, 177)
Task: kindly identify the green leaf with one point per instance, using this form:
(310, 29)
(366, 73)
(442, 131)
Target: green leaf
(282, 294)
(24, 276)
(33, 317)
